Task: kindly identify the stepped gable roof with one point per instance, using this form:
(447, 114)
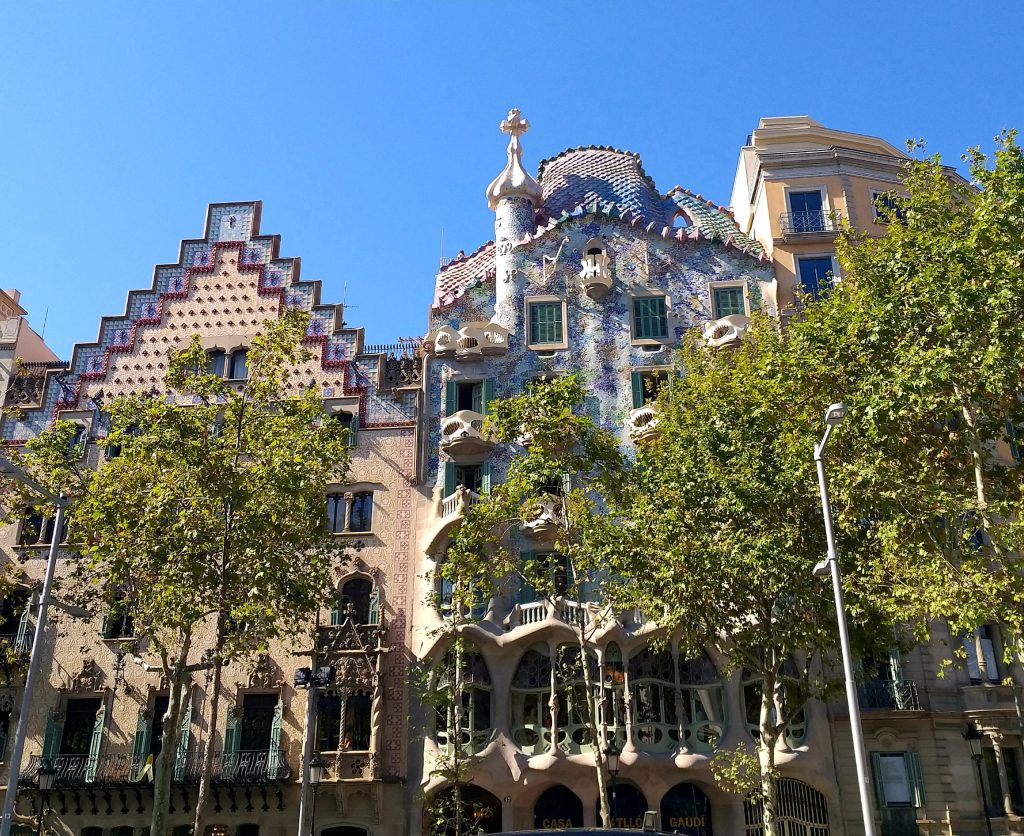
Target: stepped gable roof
(716, 222)
(582, 175)
(462, 273)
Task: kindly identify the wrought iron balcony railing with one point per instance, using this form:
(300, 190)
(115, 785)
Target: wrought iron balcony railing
(889, 695)
(799, 223)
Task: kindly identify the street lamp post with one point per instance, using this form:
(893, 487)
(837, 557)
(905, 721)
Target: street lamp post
(12, 471)
(611, 755)
(317, 768)
(973, 738)
(310, 680)
(834, 416)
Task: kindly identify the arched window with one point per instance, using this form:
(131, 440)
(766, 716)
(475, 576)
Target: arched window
(356, 734)
(478, 806)
(652, 680)
(680, 221)
(703, 703)
(613, 694)
(557, 807)
(531, 693)
(685, 810)
(215, 362)
(344, 831)
(354, 602)
(349, 422)
(476, 714)
(248, 830)
(123, 830)
(91, 831)
(796, 726)
(801, 811)
(630, 806)
(571, 691)
(239, 367)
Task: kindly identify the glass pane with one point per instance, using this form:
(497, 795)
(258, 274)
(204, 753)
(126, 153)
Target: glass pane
(815, 275)
(805, 201)
(729, 301)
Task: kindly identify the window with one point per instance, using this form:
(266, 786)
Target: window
(37, 529)
(646, 385)
(549, 565)
(80, 720)
(356, 601)
(887, 206)
(728, 301)
(546, 323)
(469, 396)
(897, 779)
(215, 362)
(531, 692)
(816, 274)
(349, 512)
(356, 735)
(156, 733)
(805, 211)
(248, 830)
(476, 703)
(77, 444)
(982, 661)
(650, 318)
(796, 725)
(239, 367)
(328, 722)
(343, 721)
(349, 421)
(123, 830)
(14, 633)
(118, 623)
(362, 511)
(258, 717)
(5, 727)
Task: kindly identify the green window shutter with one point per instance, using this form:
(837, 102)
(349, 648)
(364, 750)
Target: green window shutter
(546, 322)
(570, 579)
(449, 477)
(876, 776)
(184, 739)
(649, 318)
(232, 738)
(140, 748)
(566, 483)
(21, 641)
(336, 611)
(916, 778)
(729, 301)
(92, 765)
(895, 664)
(373, 616)
(527, 594)
(450, 397)
(488, 395)
(275, 735)
(54, 732)
(478, 398)
(637, 380)
(485, 478)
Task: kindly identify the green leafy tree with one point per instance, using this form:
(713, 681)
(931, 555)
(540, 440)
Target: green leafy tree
(721, 528)
(923, 340)
(562, 470)
(208, 512)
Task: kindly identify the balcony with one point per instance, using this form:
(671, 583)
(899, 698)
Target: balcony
(543, 518)
(462, 436)
(337, 638)
(564, 610)
(472, 341)
(889, 695)
(350, 766)
(596, 274)
(725, 332)
(820, 222)
(643, 423)
(454, 507)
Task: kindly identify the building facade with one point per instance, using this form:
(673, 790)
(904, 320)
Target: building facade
(98, 715)
(592, 270)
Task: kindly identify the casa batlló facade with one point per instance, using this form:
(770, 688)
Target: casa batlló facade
(592, 270)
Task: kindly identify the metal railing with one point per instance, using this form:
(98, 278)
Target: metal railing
(889, 695)
(797, 223)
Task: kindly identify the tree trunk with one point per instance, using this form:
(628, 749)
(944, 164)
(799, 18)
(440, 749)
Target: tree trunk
(457, 742)
(767, 738)
(977, 458)
(596, 735)
(207, 770)
(164, 766)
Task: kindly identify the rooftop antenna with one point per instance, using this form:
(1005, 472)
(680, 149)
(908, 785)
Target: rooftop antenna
(46, 316)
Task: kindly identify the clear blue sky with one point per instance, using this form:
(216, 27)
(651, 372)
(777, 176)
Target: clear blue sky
(367, 127)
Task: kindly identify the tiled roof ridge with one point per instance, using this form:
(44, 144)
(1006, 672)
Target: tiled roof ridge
(624, 152)
(698, 196)
(460, 259)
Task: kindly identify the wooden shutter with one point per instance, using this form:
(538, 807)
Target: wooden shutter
(232, 738)
(876, 775)
(336, 610)
(140, 749)
(485, 478)
(450, 397)
(527, 594)
(566, 484)
(916, 778)
(448, 470)
(488, 394)
(274, 754)
(54, 733)
(373, 615)
(21, 643)
(184, 739)
(637, 379)
(92, 765)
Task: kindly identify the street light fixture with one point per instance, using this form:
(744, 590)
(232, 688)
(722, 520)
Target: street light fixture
(317, 772)
(11, 470)
(611, 756)
(834, 416)
(974, 738)
(310, 679)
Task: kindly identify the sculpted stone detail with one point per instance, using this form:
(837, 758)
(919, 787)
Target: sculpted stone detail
(727, 331)
(89, 678)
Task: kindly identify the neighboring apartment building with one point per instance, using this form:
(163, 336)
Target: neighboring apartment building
(98, 715)
(21, 350)
(796, 183)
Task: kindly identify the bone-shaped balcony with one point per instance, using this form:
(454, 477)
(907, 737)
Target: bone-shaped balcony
(462, 435)
(725, 332)
(472, 340)
(543, 518)
(643, 423)
(596, 274)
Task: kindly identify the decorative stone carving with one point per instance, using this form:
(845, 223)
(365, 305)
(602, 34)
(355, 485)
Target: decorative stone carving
(89, 678)
(401, 371)
(514, 179)
(544, 518)
(462, 435)
(727, 331)
(264, 673)
(472, 340)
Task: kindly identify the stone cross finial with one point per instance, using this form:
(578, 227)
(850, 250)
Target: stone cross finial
(515, 124)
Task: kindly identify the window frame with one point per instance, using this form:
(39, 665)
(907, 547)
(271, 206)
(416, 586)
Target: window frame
(635, 339)
(547, 299)
(798, 276)
(714, 287)
(826, 206)
(877, 193)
